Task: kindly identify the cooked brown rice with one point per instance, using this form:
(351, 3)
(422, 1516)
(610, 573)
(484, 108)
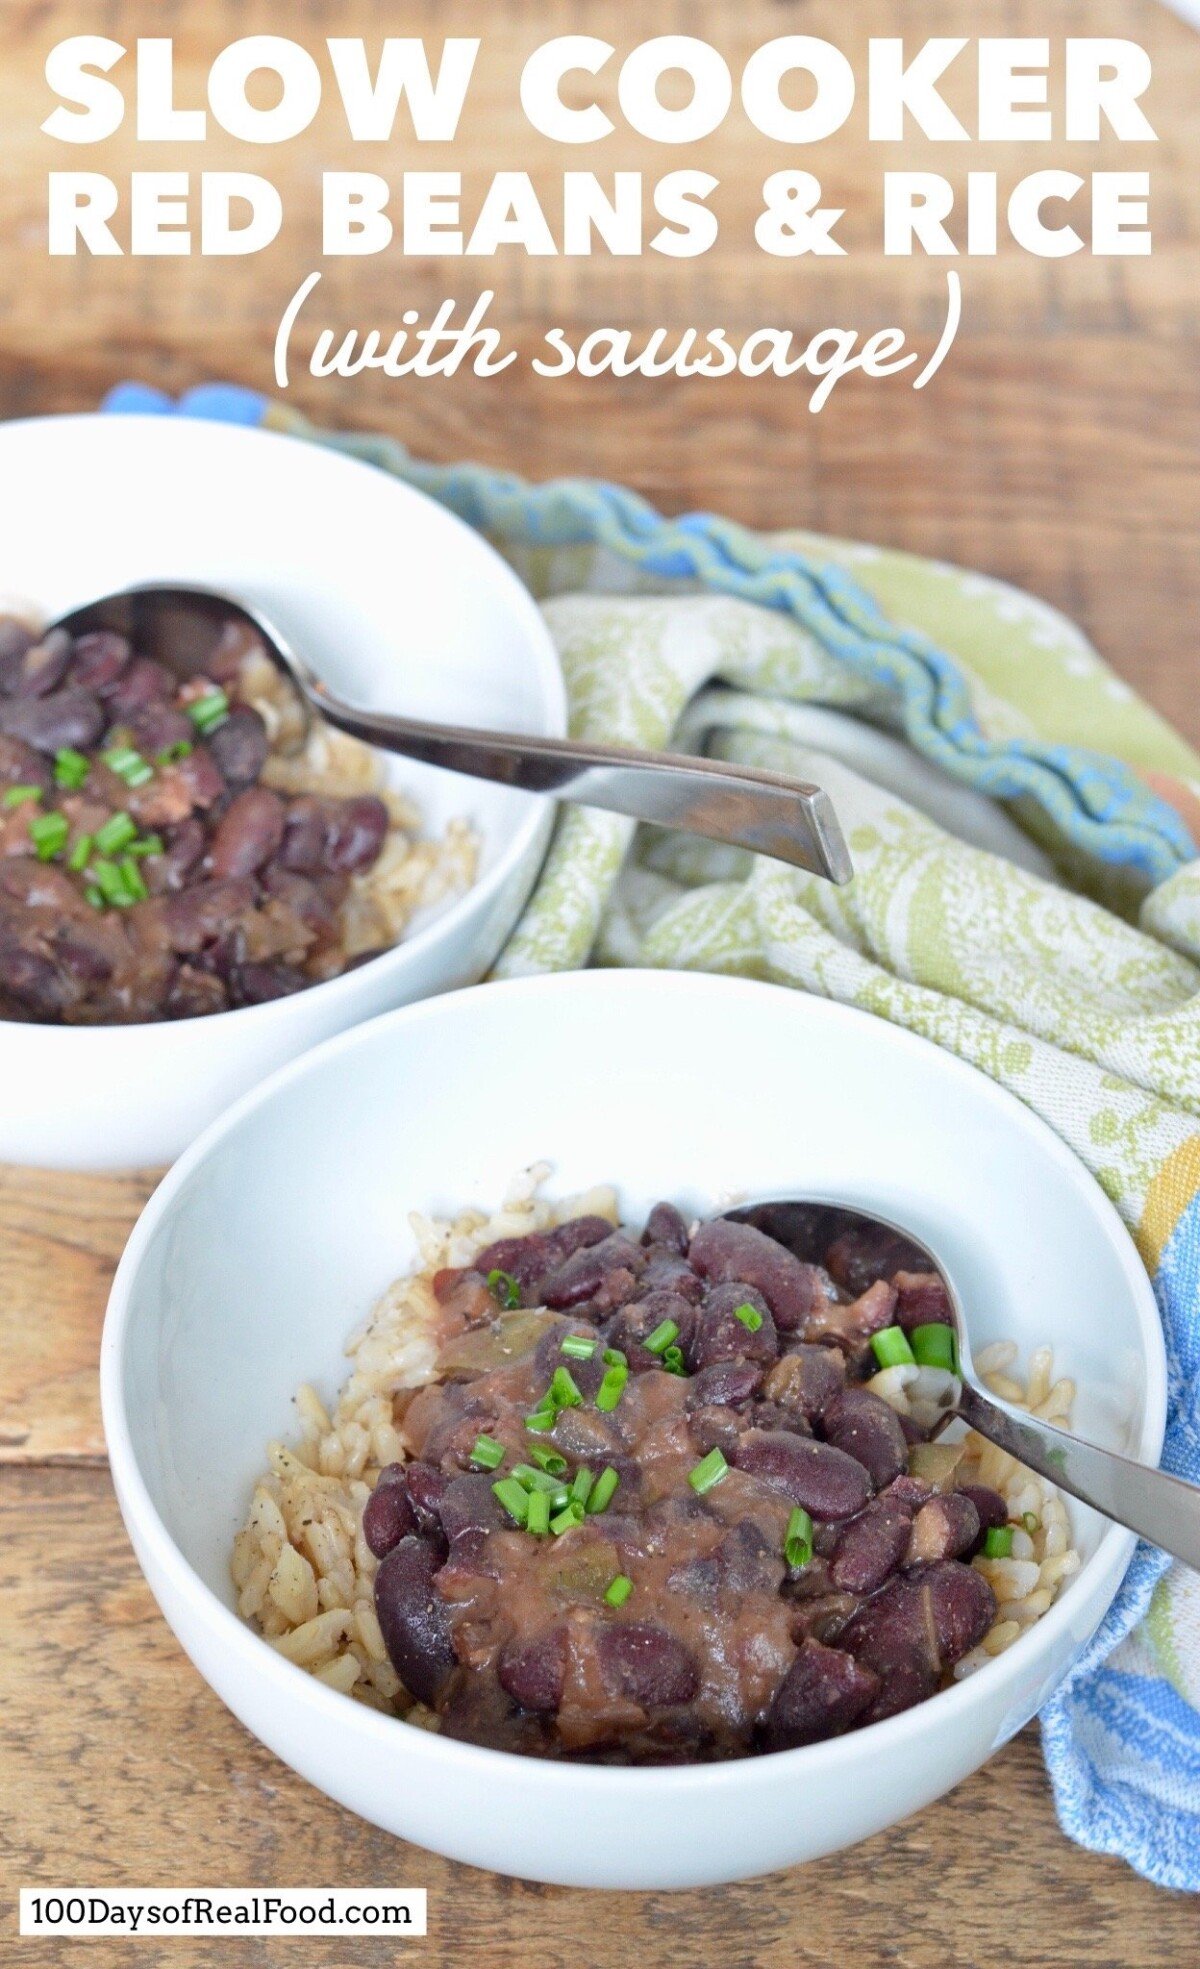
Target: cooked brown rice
(305, 1575)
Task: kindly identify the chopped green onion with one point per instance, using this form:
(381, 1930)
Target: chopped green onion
(619, 1590)
(93, 896)
(672, 1361)
(798, 1540)
(537, 1518)
(1031, 1522)
(709, 1471)
(128, 765)
(134, 883)
(117, 832)
(17, 796)
(80, 855)
(150, 844)
(998, 1543)
(49, 832)
(613, 1357)
(110, 881)
(514, 1499)
(567, 1519)
(933, 1346)
(578, 1347)
(531, 1479)
(613, 1385)
(209, 711)
(750, 1317)
(891, 1348)
(180, 750)
(503, 1286)
(661, 1338)
(564, 1391)
(487, 1454)
(581, 1486)
(542, 1420)
(603, 1491)
(70, 768)
(548, 1460)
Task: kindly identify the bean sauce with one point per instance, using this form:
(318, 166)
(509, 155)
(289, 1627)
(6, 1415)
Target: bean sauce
(653, 1512)
(146, 872)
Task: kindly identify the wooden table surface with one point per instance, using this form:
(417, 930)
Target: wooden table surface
(1059, 448)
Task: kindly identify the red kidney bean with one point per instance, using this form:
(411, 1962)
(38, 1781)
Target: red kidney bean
(893, 1636)
(15, 638)
(990, 1506)
(714, 1427)
(962, 1606)
(646, 1665)
(467, 1504)
(746, 1563)
(944, 1528)
(43, 666)
(718, 1335)
(427, 1487)
(725, 1384)
(20, 765)
(34, 980)
(198, 916)
(867, 1252)
(248, 833)
(725, 1252)
(184, 852)
(808, 1379)
(867, 1429)
(65, 718)
(240, 746)
(140, 683)
(303, 849)
(533, 1672)
(634, 1323)
(922, 1300)
(195, 994)
(260, 984)
(667, 1226)
(99, 659)
(387, 1516)
(356, 834)
(818, 1476)
(79, 949)
(871, 1546)
(575, 1234)
(413, 1619)
(822, 1694)
(159, 727)
(582, 1275)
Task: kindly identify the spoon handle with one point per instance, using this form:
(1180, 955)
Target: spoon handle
(787, 819)
(1164, 1509)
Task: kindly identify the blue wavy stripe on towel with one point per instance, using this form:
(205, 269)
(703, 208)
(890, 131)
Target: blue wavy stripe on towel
(1097, 803)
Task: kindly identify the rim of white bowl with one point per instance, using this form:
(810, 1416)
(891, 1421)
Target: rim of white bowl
(1101, 1574)
(552, 689)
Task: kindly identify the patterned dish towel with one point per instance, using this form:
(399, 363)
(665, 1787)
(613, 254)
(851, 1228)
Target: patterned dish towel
(1026, 894)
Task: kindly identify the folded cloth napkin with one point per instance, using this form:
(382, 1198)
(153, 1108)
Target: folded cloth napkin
(1066, 965)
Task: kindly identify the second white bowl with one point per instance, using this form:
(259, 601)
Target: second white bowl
(396, 601)
(273, 1236)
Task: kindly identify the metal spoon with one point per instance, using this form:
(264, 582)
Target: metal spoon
(1164, 1509)
(787, 819)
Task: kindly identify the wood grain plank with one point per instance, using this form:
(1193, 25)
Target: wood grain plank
(130, 1772)
(60, 1238)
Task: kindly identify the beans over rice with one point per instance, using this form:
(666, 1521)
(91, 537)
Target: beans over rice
(657, 1495)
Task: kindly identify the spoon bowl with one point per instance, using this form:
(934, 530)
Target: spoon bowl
(1161, 1508)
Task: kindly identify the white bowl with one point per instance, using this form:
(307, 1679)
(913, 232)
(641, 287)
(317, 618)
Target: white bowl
(401, 605)
(273, 1235)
